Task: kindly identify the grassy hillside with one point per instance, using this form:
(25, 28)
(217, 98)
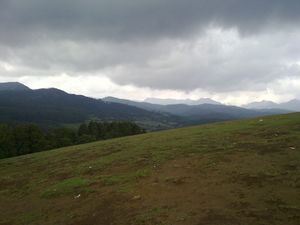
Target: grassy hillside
(242, 172)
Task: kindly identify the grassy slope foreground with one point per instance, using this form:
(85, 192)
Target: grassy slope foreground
(242, 172)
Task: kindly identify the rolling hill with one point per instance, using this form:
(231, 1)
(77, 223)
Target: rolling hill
(13, 86)
(53, 106)
(242, 172)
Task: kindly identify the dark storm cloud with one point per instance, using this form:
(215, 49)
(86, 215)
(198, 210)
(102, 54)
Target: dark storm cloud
(216, 45)
(122, 19)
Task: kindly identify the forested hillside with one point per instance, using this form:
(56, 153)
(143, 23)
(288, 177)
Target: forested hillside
(23, 139)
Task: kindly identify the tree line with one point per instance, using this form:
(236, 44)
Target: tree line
(23, 139)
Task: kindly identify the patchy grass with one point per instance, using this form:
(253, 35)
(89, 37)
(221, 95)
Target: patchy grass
(241, 172)
(69, 186)
(125, 178)
(153, 214)
(30, 217)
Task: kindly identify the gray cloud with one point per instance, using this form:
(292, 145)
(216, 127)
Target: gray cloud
(220, 61)
(215, 45)
(122, 19)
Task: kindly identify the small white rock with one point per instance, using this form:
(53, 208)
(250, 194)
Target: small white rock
(77, 196)
(137, 197)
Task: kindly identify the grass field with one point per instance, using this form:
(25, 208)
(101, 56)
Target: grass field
(241, 172)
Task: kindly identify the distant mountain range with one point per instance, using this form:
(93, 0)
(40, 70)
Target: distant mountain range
(53, 107)
(19, 103)
(184, 101)
(261, 105)
(293, 105)
(203, 113)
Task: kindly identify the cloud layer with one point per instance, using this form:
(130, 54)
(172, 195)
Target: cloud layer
(215, 46)
(127, 19)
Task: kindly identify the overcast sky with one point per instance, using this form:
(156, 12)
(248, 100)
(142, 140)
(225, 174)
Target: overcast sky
(234, 51)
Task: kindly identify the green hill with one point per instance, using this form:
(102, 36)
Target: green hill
(242, 172)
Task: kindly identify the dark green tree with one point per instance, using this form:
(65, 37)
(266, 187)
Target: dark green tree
(83, 130)
(7, 142)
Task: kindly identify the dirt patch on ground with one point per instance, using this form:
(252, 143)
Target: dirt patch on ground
(231, 188)
(212, 189)
(108, 210)
(203, 190)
